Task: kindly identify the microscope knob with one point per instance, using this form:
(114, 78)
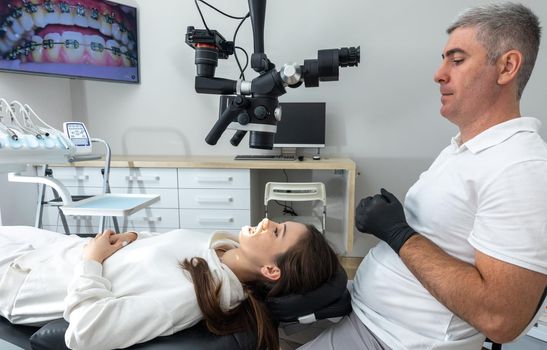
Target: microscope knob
(291, 74)
(261, 112)
(243, 118)
(239, 100)
(278, 113)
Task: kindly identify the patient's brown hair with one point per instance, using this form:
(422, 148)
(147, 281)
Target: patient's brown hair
(304, 267)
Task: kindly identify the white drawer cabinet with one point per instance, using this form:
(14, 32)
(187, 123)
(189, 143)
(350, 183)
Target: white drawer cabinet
(205, 199)
(214, 178)
(214, 198)
(151, 219)
(214, 219)
(51, 218)
(169, 198)
(78, 177)
(143, 178)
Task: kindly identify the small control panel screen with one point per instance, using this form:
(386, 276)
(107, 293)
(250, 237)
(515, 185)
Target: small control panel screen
(77, 134)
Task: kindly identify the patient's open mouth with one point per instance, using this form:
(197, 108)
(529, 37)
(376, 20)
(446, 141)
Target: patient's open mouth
(69, 31)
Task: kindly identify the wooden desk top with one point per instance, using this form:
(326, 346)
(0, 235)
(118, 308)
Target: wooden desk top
(218, 162)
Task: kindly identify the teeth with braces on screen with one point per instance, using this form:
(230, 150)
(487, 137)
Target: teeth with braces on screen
(72, 31)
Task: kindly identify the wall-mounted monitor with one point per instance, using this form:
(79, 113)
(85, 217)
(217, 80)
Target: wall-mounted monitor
(302, 125)
(91, 39)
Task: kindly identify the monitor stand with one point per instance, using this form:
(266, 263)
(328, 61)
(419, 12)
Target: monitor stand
(318, 155)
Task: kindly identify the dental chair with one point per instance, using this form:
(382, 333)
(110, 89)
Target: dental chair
(331, 300)
(298, 192)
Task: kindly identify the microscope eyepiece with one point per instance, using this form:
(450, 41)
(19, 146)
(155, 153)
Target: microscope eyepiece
(349, 56)
(325, 67)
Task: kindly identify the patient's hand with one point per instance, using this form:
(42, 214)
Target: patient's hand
(126, 237)
(101, 247)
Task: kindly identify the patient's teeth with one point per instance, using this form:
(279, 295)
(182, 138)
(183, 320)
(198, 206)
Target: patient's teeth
(80, 18)
(38, 48)
(73, 49)
(14, 29)
(106, 25)
(51, 16)
(114, 54)
(39, 17)
(52, 46)
(126, 62)
(95, 46)
(125, 34)
(116, 33)
(93, 19)
(125, 38)
(66, 16)
(26, 21)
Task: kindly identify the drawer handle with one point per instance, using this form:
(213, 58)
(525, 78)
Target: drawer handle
(209, 179)
(75, 177)
(148, 219)
(142, 178)
(205, 199)
(211, 220)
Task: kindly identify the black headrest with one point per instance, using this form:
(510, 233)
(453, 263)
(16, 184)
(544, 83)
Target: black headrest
(332, 295)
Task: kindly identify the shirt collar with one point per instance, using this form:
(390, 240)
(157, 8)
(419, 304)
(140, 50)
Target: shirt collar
(224, 238)
(231, 291)
(497, 134)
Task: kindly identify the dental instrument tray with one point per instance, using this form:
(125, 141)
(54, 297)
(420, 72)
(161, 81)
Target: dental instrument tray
(110, 204)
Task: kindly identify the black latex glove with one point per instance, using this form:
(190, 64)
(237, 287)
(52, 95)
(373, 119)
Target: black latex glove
(384, 217)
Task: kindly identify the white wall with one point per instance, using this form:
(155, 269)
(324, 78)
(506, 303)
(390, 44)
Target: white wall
(383, 114)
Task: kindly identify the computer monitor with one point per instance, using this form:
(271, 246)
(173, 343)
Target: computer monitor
(302, 125)
(76, 39)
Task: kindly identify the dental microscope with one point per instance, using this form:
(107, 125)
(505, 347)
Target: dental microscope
(253, 106)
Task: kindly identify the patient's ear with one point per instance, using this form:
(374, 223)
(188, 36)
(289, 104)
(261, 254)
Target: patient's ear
(271, 272)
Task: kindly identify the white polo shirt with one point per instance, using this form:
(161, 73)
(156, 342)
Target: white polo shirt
(489, 194)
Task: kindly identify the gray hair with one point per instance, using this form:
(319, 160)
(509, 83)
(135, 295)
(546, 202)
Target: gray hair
(504, 27)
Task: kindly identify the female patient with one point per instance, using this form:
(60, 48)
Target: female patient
(120, 289)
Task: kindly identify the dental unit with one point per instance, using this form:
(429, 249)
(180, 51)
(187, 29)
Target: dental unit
(26, 140)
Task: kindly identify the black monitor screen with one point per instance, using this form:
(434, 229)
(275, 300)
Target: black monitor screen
(95, 39)
(302, 125)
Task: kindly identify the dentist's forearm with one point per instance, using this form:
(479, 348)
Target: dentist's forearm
(495, 297)
(454, 283)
